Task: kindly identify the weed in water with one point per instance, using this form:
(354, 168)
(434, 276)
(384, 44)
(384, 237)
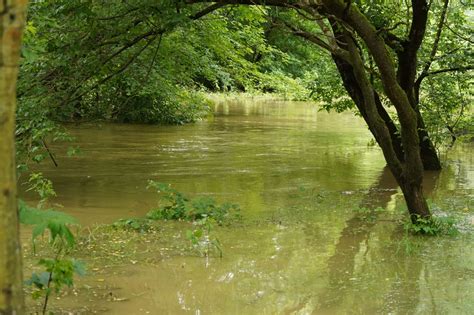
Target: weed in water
(203, 212)
(433, 226)
(173, 205)
(135, 224)
(200, 237)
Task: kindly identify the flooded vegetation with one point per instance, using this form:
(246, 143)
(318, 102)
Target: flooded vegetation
(322, 228)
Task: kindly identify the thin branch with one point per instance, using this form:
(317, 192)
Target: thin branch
(434, 49)
(110, 76)
(391, 28)
(132, 43)
(207, 10)
(454, 69)
(316, 40)
(459, 35)
(154, 58)
(51, 156)
(127, 64)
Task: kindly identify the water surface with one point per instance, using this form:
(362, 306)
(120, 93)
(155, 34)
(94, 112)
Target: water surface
(301, 177)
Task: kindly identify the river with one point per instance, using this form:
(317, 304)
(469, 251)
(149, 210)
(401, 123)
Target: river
(301, 177)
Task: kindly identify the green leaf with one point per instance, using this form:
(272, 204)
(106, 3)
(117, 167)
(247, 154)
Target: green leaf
(34, 216)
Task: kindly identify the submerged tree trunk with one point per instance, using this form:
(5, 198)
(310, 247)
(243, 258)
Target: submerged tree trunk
(416, 201)
(12, 15)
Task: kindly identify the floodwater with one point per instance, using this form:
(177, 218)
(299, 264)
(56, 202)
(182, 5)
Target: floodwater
(304, 246)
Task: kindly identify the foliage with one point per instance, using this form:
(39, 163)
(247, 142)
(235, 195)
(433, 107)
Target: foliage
(58, 273)
(59, 270)
(448, 95)
(201, 238)
(41, 185)
(134, 224)
(176, 206)
(447, 110)
(135, 61)
(33, 131)
(203, 212)
(433, 226)
(55, 222)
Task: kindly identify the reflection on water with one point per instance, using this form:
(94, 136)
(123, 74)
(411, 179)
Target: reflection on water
(298, 175)
(254, 156)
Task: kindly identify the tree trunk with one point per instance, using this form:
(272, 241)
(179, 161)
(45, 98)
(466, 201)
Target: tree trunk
(416, 201)
(12, 16)
(353, 89)
(409, 171)
(406, 77)
(428, 153)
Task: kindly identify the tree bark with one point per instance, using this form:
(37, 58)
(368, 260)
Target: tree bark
(353, 89)
(406, 76)
(12, 17)
(428, 153)
(409, 172)
(415, 200)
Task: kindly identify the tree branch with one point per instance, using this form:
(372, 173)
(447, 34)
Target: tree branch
(407, 57)
(454, 69)
(207, 10)
(318, 41)
(434, 49)
(275, 3)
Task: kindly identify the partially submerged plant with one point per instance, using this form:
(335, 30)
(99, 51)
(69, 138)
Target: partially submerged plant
(135, 224)
(176, 206)
(200, 237)
(433, 226)
(203, 212)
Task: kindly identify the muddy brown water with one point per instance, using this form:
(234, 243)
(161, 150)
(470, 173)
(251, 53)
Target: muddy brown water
(299, 176)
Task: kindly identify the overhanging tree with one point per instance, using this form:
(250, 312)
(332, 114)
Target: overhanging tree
(355, 40)
(374, 47)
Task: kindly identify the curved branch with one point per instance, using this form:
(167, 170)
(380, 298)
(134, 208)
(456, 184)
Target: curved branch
(454, 69)
(459, 35)
(207, 10)
(333, 49)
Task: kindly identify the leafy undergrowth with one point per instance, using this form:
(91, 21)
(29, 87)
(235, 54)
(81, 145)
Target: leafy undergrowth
(204, 213)
(174, 205)
(434, 226)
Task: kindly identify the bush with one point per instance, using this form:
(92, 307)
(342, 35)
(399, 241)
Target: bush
(176, 206)
(433, 226)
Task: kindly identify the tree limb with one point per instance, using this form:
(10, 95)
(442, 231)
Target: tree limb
(434, 49)
(207, 10)
(318, 41)
(454, 69)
